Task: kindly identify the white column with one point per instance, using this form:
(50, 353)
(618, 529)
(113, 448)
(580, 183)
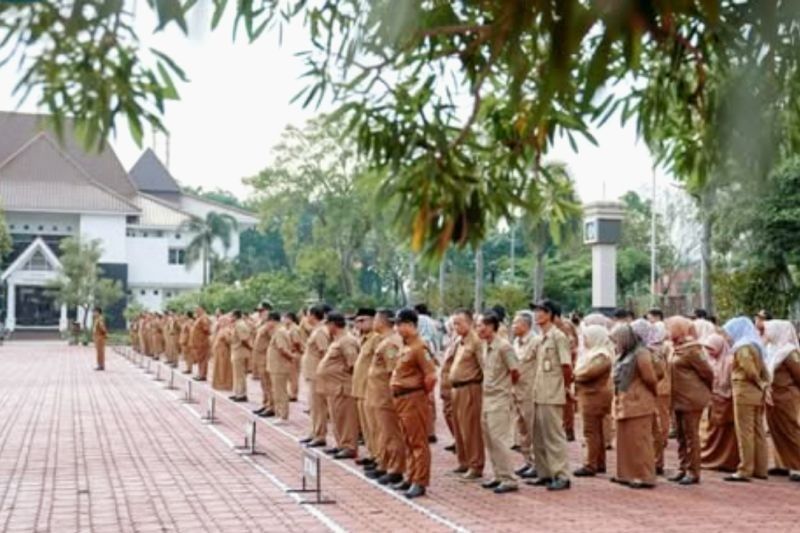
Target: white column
(604, 276)
(62, 321)
(11, 306)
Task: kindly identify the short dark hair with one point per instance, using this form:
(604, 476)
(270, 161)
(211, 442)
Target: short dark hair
(407, 316)
(700, 313)
(657, 313)
(422, 309)
(190, 314)
(317, 312)
(491, 319)
(464, 311)
(386, 314)
(98, 309)
(274, 316)
(237, 313)
(326, 308)
(291, 316)
(621, 312)
(500, 311)
(548, 305)
(337, 319)
(266, 305)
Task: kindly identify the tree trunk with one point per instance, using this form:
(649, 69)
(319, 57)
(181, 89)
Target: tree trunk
(412, 283)
(538, 274)
(707, 198)
(442, 272)
(479, 280)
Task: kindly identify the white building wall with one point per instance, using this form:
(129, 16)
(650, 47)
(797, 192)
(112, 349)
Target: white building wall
(148, 263)
(42, 223)
(110, 230)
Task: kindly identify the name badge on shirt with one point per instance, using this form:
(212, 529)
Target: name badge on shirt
(548, 366)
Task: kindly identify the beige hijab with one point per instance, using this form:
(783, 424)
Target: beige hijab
(595, 342)
(781, 340)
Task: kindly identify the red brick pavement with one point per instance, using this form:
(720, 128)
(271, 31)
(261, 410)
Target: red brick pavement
(149, 464)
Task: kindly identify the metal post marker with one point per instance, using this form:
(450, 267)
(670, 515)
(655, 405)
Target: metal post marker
(147, 368)
(171, 384)
(249, 447)
(187, 397)
(158, 373)
(311, 468)
(208, 418)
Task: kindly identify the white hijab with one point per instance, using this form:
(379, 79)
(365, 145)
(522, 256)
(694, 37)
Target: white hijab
(781, 339)
(596, 342)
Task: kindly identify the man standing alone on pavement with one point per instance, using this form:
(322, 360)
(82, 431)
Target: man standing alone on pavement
(99, 335)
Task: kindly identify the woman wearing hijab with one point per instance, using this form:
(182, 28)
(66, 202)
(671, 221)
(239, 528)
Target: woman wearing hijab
(634, 407)
(704, 328)
(720, 451)
(222, 376)
(692, 380)
(594, 389)
(750, 380)
(783, 416)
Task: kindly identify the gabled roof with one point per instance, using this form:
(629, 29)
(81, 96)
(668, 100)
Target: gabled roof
(17, 129)
(38, 245)
(156, 213)
(199, 206)
(39, 176)
(150, 175)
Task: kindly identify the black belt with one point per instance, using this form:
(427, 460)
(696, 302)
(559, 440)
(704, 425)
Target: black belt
(459, 384)
(405, 392)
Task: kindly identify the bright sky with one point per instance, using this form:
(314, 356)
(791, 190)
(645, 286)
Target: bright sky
(238, 102)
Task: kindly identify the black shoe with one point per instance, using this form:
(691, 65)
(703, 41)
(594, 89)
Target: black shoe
(370, 467)
(677, 477)
(317, 444)
(794, 477)
(239, 399)
(99, 368)
(401, 486)
(375, 474)
(539, 482)
(431, 440)
(570, 436)
(778, 472)
(559, 484)
(460, 470)
(415, 491)
(292, 400)
(259, 411)
(331, 451)
(364, 461)
(521, 470)
(306, 440)
(197, 378)
(660, 471)
(390, 479)
(737, 478)
(641, 485)
(688, 480)
(345, 454)
(516, 448)
(584, 472)
(530, 473)
(504, 489)
(267, 414)
(451, 448)
(493, 484)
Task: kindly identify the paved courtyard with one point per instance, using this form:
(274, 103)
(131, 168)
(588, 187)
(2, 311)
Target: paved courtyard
(117, 451)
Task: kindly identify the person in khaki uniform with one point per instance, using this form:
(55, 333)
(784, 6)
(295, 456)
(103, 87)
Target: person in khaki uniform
(692, 381)
(335, 378)
(185, 342)
(466, 377)
(174, 333)
(751, 391)
(221, 338)
(159, 347)
(133, 333)
(296, 344)
(144, 342)
(568, 329)
(413, 378)
(446, 388)
(317, 345)
(200, 343)
(369, 341)
(661, 423)
(391, 453)
(501, 372)
(263, 335)
(240, 353)
(553, 376)
(595, 393)
(280, 361)
(522, 328)
(99, 336)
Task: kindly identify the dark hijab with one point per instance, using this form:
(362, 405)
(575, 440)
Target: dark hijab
(625, 366)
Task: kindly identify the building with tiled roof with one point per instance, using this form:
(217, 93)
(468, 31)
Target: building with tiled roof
(52, 188)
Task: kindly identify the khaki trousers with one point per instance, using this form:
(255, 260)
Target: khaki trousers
(239, 364)
(751, 439)
(661, 424)
(413, 413)
(593, 437)
(367, 429)
(293, 381)
(344, 413)
(100, 350)
(201, 358)
(391, 446)
(266, 390)
(432, 418)
(498, 438)
(280, 394)
(318, 407)
(549, 441)
(688, 427)
(188, 358)
(467, 403)
(524, 428)
(569, 416)
(447, 410)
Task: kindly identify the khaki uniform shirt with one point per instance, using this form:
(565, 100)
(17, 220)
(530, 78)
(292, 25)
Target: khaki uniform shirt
(384, 359)
(315, 350)
(201, 329)
(335, 371)
(99, 330)
(413, 365)
(692, 378)
(499, 360)
(749, 377)
(280, 358)
(260, 346)
(526, 356)
(467, 363)
(552, 353)
(363, 362)
(240, 339)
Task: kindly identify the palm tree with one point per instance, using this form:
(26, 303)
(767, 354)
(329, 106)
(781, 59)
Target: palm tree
(553, 211)
(215, 226)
